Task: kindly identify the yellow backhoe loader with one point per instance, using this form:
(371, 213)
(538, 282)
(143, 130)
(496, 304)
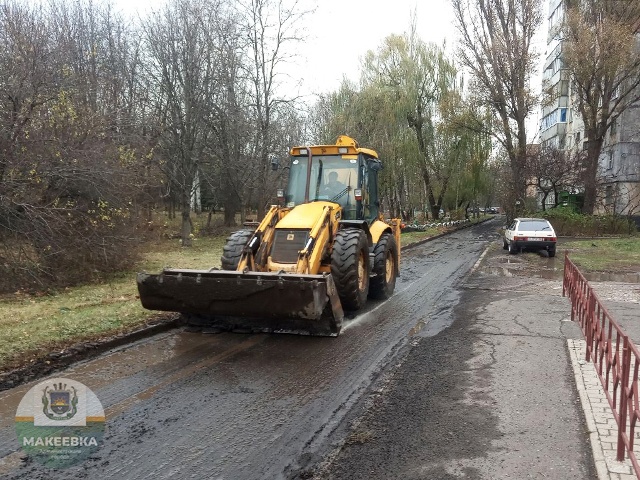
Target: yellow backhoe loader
(323, 250)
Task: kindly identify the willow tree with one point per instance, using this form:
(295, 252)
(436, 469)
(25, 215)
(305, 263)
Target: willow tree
(464, 139)
(415, 76)
(601, 52)
(369, 115)
(496, 47)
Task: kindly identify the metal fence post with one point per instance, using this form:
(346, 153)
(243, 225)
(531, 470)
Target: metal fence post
(589, 324)
(624, 383)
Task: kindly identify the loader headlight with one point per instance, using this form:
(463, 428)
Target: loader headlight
(358, 194)
(280, 193)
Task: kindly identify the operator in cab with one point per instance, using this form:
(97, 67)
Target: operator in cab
(333, 187)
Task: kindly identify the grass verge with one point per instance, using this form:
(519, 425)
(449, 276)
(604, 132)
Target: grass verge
(33, 326)
(605, 255)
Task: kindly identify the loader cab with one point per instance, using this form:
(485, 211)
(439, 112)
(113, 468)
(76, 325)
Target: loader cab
(350, 180)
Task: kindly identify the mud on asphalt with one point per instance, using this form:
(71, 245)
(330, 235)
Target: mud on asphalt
(492, 396)
(58, 360)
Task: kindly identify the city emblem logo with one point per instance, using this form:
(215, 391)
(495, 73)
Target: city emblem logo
(60, 402)
(60, 423)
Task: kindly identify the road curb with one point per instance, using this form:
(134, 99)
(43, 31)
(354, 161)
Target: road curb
(592, 396)
(440, 235)
(55, 361)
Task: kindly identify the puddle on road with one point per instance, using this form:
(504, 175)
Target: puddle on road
(507, 272)
(510, 260)
(417, 327)
(552, 270)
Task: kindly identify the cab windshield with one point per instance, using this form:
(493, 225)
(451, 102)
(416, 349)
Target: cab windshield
(332, 178)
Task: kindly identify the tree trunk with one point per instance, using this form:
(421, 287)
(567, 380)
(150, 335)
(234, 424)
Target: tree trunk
(185, 228)
(591, 175)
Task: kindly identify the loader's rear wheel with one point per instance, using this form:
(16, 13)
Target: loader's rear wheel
(350, 267)
(385, 266)
(232, 251)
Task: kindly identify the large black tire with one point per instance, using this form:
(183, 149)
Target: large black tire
(552, 251)
(505, 245)
(350, 267)
(385, 266)
(232, 251)
(512, 248)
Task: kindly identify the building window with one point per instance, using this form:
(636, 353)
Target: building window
(608, 199)
(610, 160)
(585, 145)
(614, 127)
(563, 115)
(577, 138)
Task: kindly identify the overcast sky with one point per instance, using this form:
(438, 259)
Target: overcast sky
(341, 31)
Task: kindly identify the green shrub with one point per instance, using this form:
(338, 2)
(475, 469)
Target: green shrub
(568, 222)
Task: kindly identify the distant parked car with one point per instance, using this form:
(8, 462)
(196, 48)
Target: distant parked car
(530, 234)
(493, 210)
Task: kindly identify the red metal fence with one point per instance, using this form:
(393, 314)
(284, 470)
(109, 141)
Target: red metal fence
(615, 357)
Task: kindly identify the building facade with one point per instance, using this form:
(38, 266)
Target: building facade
(561, 128)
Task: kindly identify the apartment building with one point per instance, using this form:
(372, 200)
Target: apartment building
(561, 127)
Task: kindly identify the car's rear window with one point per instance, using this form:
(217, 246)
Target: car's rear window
(534, 225)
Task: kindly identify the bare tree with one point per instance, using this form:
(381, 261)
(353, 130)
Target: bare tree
(67, 182)
(552, 170)
(602, 54)
(183, 71)
(273, 28)
(496, 47)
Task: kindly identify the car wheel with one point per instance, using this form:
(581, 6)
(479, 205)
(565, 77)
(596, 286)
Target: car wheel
(552, 251)
(505, 245)
(512, 249)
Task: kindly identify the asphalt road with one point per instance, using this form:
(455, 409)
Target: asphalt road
(491, 397)
(254, 406)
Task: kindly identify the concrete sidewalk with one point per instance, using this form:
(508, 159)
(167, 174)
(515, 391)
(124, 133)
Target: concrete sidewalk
(623, 303)
(601, 424)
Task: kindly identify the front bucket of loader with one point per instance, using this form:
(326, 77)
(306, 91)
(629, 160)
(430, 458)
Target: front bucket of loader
(253, 301)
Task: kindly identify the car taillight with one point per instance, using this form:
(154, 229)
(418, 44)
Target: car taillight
(516, 238)
(553, 239)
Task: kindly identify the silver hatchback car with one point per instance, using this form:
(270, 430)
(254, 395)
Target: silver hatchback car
(530, 234)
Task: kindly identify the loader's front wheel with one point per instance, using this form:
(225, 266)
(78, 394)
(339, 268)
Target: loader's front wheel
(350, 267)
(232, 251)
(385, 267)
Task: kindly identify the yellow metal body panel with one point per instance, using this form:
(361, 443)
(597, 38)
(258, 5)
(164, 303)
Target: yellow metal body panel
(304, 216)
(379, 227)
(342, 142)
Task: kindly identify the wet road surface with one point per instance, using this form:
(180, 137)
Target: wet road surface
(236, 406)
(491, 397)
